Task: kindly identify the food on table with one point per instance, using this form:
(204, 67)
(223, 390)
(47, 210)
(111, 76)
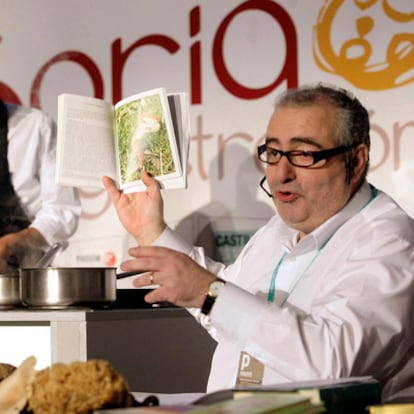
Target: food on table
(5, 370)
(15, 388)
(78, 388)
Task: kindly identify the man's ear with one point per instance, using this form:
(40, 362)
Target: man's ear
(359, 162)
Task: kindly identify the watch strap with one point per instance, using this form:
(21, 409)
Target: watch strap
(210, 300)
(208, 304)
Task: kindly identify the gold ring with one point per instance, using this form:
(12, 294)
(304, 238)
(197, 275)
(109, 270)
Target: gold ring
(151, 278)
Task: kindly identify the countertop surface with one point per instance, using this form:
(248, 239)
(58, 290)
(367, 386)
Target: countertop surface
(87, 314)
(129, 305)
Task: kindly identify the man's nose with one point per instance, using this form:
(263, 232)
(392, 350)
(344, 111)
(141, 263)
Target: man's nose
(281, 172)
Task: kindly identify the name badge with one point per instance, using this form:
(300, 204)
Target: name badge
(250, 370)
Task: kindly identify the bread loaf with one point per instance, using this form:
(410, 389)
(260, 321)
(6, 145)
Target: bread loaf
(78, 388)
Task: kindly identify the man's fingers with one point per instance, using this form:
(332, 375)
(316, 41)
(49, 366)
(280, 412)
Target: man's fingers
(146, 279)
(154, 297)
(107, 182)
(153, 186)
(147, 179)
(111, 188)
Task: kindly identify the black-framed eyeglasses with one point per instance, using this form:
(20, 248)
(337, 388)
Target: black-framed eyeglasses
(304, 159)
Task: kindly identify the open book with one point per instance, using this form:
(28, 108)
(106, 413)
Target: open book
(355, 392)
(147, 131)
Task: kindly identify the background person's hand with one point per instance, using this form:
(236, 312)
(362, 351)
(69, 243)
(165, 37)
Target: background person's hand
(141, 213)
(21, 249)
(181, 280)
(4, 255)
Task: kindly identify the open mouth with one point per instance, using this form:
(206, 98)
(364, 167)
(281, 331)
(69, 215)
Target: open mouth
(286, 196)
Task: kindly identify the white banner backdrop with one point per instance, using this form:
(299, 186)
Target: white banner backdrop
(232, 58)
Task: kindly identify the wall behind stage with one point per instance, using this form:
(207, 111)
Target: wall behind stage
(232, 58)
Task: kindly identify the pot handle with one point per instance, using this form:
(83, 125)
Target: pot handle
(50, 254)
(122, 275)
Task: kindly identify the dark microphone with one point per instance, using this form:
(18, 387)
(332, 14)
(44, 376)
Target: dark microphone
(263, 187)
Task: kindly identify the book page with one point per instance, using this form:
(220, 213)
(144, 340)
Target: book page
(181, 122)
(146, 139)
(85, 141)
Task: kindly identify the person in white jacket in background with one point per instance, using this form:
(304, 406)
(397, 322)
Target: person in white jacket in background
(325, 289)
(34, 212)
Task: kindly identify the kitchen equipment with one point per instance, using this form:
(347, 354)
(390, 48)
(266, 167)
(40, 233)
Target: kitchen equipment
(9, 290)
(48, 257)
(10, 296)
(60, 287)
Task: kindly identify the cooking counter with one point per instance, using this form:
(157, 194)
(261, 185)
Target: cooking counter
(160, 349)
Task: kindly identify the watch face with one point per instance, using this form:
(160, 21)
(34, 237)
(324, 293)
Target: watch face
(215, 287)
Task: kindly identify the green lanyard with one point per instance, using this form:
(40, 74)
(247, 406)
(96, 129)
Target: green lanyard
(272, 288)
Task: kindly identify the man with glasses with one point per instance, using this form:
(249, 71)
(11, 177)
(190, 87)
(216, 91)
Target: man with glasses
(325, 288)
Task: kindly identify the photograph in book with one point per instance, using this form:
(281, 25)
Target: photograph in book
(146, 138)
(147, 131)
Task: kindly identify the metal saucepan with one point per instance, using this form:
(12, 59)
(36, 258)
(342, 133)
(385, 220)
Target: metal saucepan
(60, 287)
(10, 296)
(9, 290)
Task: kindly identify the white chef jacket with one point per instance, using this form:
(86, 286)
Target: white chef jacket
(53, 210)
(348, 310)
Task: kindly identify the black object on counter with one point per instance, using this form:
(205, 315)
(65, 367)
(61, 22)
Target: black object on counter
(134, 299)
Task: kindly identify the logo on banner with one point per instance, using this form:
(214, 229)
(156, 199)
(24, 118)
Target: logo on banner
(358, 59)
(228, 244)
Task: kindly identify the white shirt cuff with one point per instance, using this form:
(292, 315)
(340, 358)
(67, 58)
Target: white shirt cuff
(236, 311)
(171, 240)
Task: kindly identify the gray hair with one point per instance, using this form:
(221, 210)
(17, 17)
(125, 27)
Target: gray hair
(351, 124)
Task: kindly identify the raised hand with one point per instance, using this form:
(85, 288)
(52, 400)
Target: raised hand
(141, 213)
